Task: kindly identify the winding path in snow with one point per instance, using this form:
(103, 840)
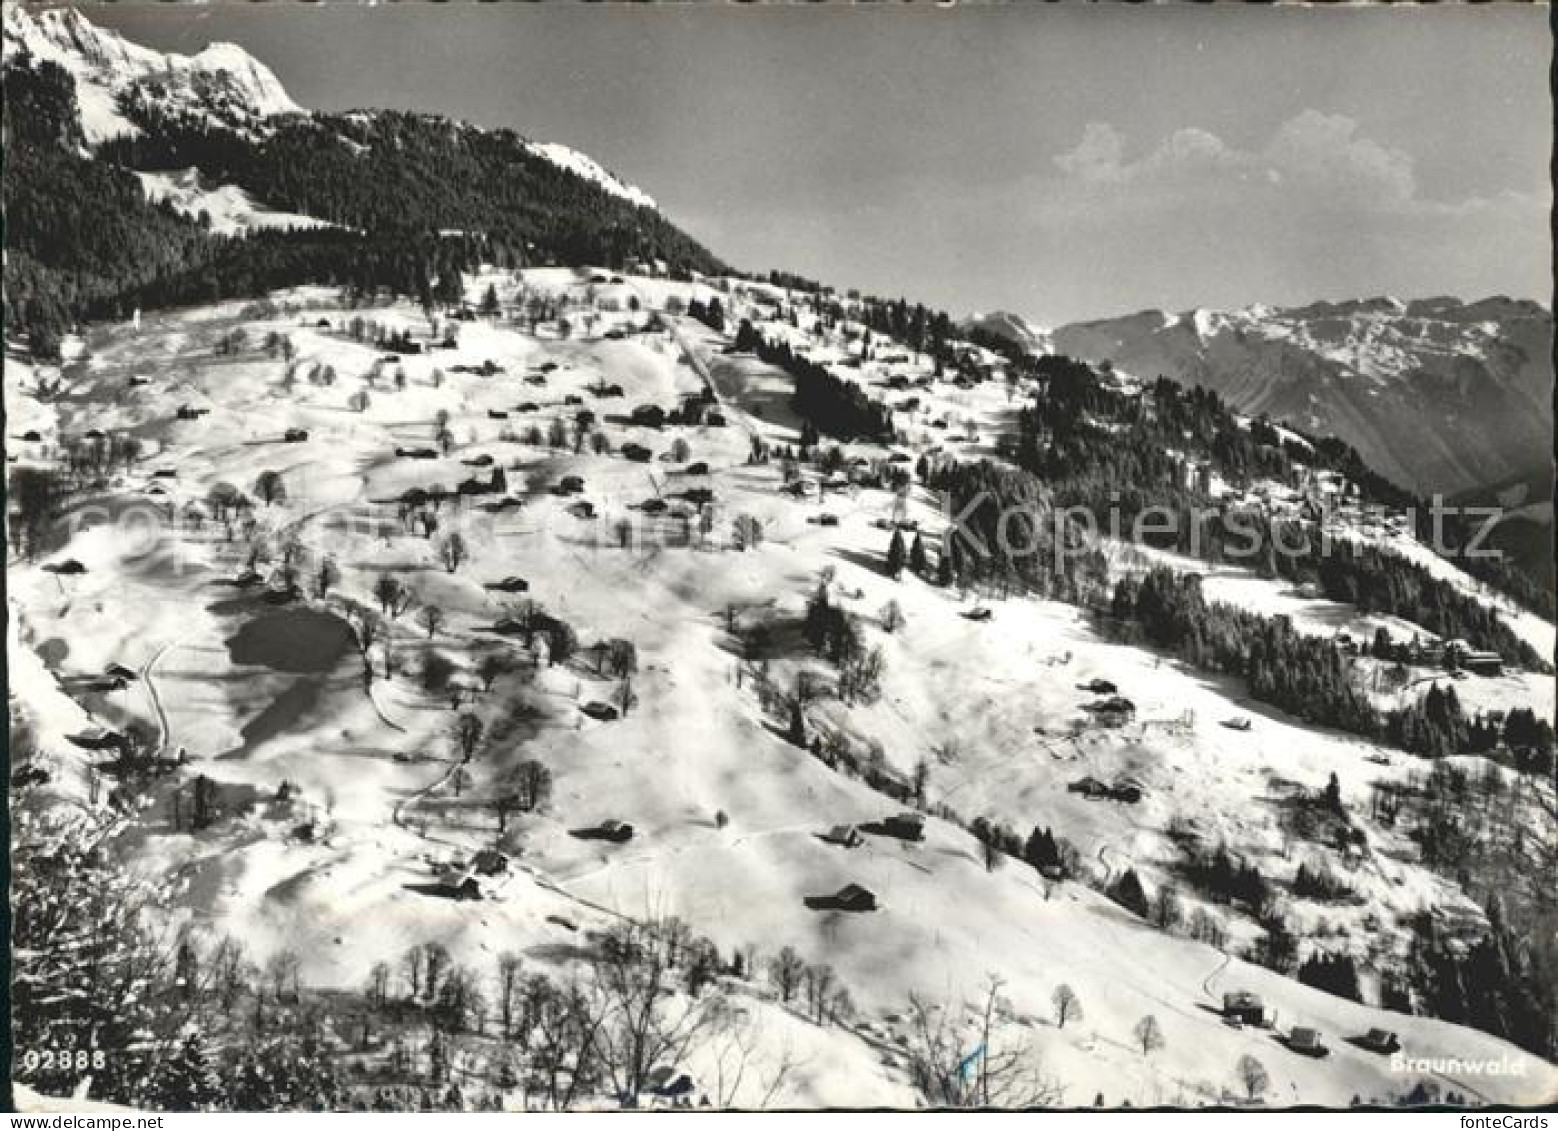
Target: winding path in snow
(420, 794)
(698, 366)
(149, 679)
(378, 709)
(1206, 984)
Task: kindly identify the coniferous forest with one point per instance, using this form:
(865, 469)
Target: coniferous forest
(415, 198)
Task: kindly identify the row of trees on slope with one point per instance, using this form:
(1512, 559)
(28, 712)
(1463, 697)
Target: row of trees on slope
(838, 407)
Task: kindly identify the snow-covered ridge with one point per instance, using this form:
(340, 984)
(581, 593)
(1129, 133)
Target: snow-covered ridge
(223, 78)
(266, 94)
(1028, 334)
(1378, 338)
(583, 165)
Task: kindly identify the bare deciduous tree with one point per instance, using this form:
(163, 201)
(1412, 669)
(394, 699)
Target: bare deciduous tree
(1148, 1034)
(430, 617)
(732, 1058)
(468, 732)
(231, 971)
(1068, 1007)
(281, 973)
(785, 969)
(645, 1022)
(1253, 1076)
(510, 987)
(378, 984)
(563, 1025)
(980, 1062)
(414, 968)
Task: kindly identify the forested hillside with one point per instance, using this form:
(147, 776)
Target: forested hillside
(415, 199)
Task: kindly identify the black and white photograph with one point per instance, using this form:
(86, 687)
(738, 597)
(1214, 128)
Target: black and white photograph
(712, 557)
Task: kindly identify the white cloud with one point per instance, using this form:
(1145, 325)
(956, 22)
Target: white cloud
(1321, 158)
(1326, 151)
(1315, 209)
(1099, 158)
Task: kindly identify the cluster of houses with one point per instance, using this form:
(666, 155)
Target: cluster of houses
(480, 877)
(1451, 655)
(852, 897)
(1242, 1008)
(1320, 496)
(908, 825)
(1458, 655)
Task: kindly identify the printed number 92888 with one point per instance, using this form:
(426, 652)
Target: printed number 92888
(63, 1059)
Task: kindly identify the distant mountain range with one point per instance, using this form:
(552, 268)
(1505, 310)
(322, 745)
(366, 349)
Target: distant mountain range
(1438, 394)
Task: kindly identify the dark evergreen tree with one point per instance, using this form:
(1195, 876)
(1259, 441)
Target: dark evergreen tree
(945, 577)
(897, 556)
(1126, 890)
(187, 1080)
(797, 729)
(1334, 973)
(1333, 795)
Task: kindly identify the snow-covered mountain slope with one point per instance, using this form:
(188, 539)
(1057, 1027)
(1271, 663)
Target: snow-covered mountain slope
(585, 166)
(727, 812)
(1438, 394)
(223, 80)
(228, 209)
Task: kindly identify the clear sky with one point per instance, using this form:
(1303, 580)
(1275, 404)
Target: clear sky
(1065, 162)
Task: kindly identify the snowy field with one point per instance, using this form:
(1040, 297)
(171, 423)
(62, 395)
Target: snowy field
(726, 812)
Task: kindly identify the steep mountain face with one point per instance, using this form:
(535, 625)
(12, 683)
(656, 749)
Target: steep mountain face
(223, 79)
(222, 84)
(1438, 394)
